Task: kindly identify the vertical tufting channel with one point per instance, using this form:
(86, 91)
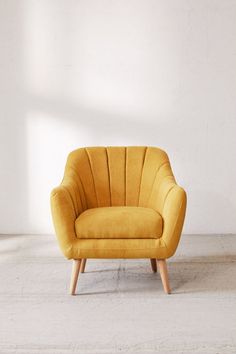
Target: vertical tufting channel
(78, 162)
(117, 176)
(116, 162)
(134, 166)
(164, 175)
(72, 177)
(92, 174)
(109, 176)
(144, 160)
(99, 168)
(155, 158)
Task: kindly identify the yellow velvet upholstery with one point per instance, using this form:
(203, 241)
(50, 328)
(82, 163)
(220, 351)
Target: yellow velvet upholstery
(119, 223)
(90, 207)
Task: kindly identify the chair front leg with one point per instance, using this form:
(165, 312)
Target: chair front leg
(164, 275)
(74, 275)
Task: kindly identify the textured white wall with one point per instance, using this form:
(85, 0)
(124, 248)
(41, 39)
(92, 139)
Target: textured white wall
(104, 72)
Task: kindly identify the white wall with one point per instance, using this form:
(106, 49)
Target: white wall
(125, 72)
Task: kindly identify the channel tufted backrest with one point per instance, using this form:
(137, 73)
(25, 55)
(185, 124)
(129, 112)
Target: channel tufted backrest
(118, 176)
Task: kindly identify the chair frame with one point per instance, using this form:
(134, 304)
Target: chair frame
(154, 187)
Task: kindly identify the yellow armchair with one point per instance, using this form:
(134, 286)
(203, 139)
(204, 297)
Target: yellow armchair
(118, 202)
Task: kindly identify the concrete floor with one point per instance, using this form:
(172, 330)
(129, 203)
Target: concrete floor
(121, 306)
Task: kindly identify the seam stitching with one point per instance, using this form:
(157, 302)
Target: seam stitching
(109, 176)
(157, 170)
(78, 175)
(141, 179)
(90, 165)
(125, 201)
(167, 196)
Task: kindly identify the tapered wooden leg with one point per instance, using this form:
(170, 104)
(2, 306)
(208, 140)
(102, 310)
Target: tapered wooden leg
(74, 275)
(83, 264)
(153, 264)
(164, 275)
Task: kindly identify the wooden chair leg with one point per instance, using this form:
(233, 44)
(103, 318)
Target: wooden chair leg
(153, 264)
(74, 275)
(164, 275)
(83, 264)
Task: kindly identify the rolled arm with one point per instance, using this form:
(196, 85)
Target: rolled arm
(173, 213)
(64, 215)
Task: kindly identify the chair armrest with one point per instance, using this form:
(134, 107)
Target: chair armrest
(64, 215)
(173, 213)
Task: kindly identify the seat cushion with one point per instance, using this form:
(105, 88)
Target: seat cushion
(119, 223)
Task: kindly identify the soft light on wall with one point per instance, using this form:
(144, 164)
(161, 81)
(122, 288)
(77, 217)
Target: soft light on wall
(107, 72)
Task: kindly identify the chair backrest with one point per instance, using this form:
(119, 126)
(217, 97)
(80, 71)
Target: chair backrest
(117, 176)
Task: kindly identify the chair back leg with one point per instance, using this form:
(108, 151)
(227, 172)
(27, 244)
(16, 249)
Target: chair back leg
(83, 264)
(153, 264)
(164, 275)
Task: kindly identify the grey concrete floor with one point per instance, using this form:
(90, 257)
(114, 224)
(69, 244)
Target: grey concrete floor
(121, 306)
